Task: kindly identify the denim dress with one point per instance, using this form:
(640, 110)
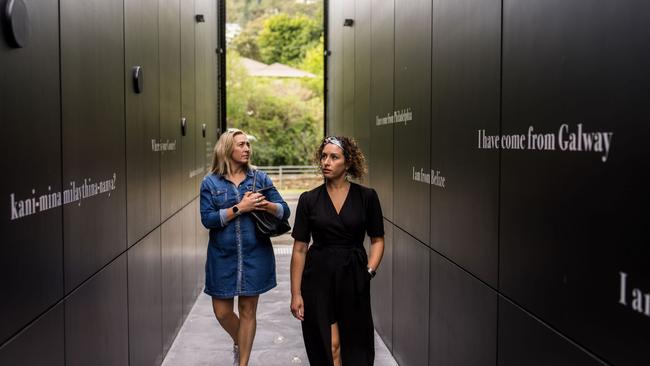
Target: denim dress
(239, 261)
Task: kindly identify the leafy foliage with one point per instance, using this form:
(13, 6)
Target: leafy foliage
(246, 42)
(284, 116)
(314, 62)
(286, 39)
(243, 11)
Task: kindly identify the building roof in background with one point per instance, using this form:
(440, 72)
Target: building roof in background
(251, 65)
(277, 70)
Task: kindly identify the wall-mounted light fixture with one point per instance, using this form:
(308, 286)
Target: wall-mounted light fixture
(138, 79)
(15, 19)
(348, 22)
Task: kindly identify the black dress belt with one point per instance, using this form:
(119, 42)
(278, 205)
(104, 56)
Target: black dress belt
(355, 264)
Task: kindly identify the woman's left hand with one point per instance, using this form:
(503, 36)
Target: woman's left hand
(265, 205)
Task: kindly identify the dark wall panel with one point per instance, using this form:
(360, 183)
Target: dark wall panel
(188, 100)
(171, 159)
(380, 162)
(92, 85)
(96, 320)
(145, 301)
(463, 316)
(39, 344)
(412, 95)
(212, 101)
(347, 72)
(188, 250)
(465, 99)
(573, 222)
(506, 136)
(382, 290)
(362, 51)
(205, 82)
(335, 83)
(525, 341)
(172, 284)
(202, 238)
(31, 268)
(411, 294)
(142, 118)
(82, 262)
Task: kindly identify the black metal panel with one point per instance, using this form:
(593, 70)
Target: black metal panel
(412, 95)
(142, 118)
(334, 83)
(221, 66)
(347, 73)
(212, 119)
(202, 238)
(172, 269)
(362, 52)
(380, 162)
(188, 216)
(96, 319)
(145, 301)
(465, 99)
(382, 290)
(463, 317)
(573, 223)
(188, 100)
(39, 344)
(410, 300)
(92, 84)
(171, 160)
(204, 86)
(31, 267)
(525, 341)
(206, 112)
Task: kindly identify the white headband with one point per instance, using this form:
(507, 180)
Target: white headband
(334, 141)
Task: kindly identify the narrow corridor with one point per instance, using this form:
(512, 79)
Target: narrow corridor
(278, 342)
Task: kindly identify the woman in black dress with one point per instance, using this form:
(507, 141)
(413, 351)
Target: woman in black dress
(330, 281)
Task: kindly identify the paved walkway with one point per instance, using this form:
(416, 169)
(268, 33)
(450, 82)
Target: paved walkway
(278, 342)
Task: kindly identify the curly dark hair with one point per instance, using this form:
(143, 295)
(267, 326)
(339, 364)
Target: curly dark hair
(354, 159)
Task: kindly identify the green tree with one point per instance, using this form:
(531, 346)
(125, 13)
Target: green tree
(243, 11)
(286, 39)
(285, 118)
(246, 42)
(314, 62)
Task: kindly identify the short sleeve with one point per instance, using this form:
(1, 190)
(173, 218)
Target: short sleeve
(374, 216)
(301, 230)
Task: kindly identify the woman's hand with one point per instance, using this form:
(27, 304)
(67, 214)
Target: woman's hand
(298, 307)
(267, 206)
(251, 201)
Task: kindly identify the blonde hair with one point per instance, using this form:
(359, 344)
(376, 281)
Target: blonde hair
(221, 159)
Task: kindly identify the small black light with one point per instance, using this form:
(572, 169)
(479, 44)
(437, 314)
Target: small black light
(138, 79)
(16, 23)
(199, 18)
(348, 22)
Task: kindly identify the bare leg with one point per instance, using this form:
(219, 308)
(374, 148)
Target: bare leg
(336, 345)
(247, 327)
(223, 310)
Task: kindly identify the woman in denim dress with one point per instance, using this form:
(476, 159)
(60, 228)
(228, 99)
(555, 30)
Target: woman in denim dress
(239, 262)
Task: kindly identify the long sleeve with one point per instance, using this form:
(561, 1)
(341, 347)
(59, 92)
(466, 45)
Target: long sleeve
(272, 195)
(210, 215)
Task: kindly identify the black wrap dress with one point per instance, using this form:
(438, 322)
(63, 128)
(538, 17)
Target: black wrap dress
(335, 282)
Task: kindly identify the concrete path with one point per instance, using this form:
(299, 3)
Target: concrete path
(278, 342)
